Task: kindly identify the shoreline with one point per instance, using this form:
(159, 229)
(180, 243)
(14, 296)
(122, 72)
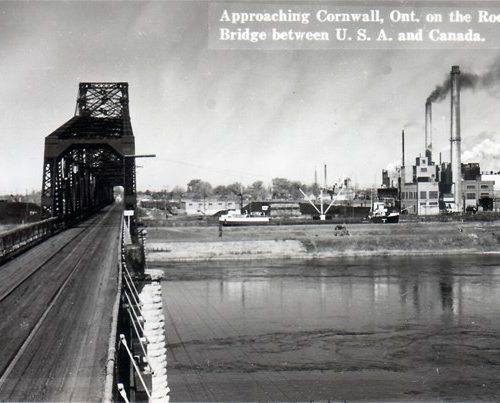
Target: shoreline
(211, 221)
(197, 244)
(388, 253)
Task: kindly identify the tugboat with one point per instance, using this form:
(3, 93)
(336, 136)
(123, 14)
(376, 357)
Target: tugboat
(381, 214)
(237, 218)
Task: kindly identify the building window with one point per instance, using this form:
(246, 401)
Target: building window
(485, 195)
(484, 186)
(433, 194)
(422, 204)
(220, 204)
(190, 204)
(423, 195)
(471, 187)
(423, 169)
(433, 203)
(210, 204)
(471, 196)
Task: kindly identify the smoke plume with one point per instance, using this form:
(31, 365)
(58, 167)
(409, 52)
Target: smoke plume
(410, 125)
(393, 169)
(470, 81)
(485, 150)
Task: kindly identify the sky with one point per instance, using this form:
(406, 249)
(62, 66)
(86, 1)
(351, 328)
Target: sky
(227, 115)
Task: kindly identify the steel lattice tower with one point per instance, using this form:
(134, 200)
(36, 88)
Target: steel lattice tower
(90, 154)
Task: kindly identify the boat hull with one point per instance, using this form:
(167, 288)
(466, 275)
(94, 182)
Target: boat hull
(240, 222)
(388, 219)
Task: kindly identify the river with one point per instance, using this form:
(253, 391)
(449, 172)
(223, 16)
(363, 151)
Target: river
(386, 328)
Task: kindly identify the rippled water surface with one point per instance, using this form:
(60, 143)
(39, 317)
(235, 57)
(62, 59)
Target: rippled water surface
(414, 328)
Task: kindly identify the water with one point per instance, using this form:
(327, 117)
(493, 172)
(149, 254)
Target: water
(373, 328)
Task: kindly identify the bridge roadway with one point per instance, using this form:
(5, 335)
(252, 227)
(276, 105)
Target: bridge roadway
(56, 304)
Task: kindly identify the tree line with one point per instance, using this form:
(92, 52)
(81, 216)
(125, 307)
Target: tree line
(280, 188)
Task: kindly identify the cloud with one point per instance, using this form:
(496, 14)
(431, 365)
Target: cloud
(486, 152)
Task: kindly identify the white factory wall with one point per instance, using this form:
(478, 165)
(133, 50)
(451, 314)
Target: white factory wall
(206, 207)
(420, 198)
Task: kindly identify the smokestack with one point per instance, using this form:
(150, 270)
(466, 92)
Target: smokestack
(403, 148)
(325, 176)
(315, 177)
(428, 130)
(456, 163)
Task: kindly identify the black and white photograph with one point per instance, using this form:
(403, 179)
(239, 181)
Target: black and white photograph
(240, 201)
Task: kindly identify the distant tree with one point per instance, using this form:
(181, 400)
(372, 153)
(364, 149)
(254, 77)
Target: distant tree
(294, 190)
(160, 195)
(177, 192)
(281, 188)
(220, 191)
(199, 189)
(257, 191)
(235, 188)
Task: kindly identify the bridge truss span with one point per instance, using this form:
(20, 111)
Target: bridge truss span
(87, 156)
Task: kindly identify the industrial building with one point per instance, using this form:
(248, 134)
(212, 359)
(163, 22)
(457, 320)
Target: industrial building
(429, 189)
(207, 207)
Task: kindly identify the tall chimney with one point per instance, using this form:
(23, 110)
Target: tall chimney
(325, 176)
(428, 130)
(403, 148)
(456, 163)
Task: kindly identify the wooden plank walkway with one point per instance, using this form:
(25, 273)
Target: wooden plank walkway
(55, 325)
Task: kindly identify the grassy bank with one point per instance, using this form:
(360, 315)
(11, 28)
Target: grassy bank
(316, 241)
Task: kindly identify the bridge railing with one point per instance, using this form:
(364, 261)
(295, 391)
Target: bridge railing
(136, 369)
(18, 239)
(112, 371)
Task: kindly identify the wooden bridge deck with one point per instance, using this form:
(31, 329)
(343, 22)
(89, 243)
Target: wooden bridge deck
(56, 314)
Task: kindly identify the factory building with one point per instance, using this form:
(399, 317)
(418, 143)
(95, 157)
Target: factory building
(427, 188)
(495, 178)
(420, 194)
(478, 194)
(207, 207)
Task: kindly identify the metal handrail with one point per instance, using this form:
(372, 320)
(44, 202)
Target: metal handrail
(123, 340)
(112, 344)
(14, 239)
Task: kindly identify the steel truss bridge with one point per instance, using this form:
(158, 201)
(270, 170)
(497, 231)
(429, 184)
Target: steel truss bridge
(90, 154)
(61, 300)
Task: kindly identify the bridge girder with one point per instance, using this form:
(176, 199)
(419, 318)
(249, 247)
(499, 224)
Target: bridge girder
(87, 156)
